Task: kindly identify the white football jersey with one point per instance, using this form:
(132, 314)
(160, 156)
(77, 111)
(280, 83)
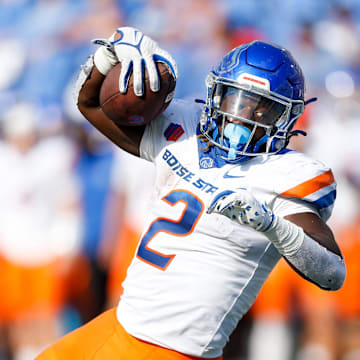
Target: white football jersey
(39, 219)
(195, 275)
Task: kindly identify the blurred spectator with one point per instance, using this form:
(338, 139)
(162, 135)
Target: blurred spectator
(315, 61)
(101, 213)
(40, 224)
(339, 35)
(12, 67)
(99, 19)
(134, 185)
(334, 131)
(271, 335)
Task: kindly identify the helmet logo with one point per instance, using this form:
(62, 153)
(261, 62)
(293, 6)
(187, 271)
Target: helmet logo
(253, 80)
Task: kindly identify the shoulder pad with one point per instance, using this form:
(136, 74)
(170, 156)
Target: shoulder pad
(311, 181)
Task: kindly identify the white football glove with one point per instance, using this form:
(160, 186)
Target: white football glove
(134, 50)
(242, 207)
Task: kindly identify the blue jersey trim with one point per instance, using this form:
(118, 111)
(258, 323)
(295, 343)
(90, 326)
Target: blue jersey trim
(284, 151)
(325, 200)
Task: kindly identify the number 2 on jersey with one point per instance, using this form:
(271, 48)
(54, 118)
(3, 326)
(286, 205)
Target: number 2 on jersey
(182, 227)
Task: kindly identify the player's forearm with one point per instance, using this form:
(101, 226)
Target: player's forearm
(89, 83)
(317, 229)
(87, 98)
(89, 106)
(316, 263)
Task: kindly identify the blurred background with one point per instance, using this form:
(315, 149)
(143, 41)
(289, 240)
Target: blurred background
(71, 204)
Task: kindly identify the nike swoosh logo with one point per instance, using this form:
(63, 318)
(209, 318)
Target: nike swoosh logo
(228, 176)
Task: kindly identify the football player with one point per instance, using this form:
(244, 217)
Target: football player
(229, 201)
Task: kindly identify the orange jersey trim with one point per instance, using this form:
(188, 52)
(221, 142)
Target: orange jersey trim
(310, 186)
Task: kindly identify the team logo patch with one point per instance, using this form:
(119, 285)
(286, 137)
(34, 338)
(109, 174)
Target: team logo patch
(174, 132)
(206, 163)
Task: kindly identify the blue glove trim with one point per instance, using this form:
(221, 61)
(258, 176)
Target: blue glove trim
(217, 197)
(271, 222)
(127, 76)
(160, 58)
(104, 42)
(137, 46)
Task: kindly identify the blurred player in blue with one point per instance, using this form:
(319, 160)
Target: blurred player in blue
(229, 201)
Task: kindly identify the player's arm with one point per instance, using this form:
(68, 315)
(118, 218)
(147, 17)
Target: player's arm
(319, 247)
(136, 53)
(317, 229)
(126, 137)
(304, 239)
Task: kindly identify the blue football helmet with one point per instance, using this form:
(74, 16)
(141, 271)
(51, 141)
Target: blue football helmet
(254, 97)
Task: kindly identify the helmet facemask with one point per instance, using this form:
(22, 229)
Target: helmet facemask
(246, 119)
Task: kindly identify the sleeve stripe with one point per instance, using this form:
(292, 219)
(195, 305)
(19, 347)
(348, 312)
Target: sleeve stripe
(310, 186)
(326, 200)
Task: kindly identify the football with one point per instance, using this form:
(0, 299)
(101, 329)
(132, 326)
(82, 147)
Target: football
(131, 110)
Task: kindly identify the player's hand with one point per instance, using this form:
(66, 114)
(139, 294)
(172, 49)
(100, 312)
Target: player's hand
(242, 207)
(134, 50)
(105, 58)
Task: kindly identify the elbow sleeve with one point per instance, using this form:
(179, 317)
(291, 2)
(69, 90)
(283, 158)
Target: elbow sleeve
(320, 265)
(314, 261)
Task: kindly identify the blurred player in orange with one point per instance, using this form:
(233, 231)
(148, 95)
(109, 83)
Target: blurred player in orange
(270, 334)
(128, 179)
(39, 230)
